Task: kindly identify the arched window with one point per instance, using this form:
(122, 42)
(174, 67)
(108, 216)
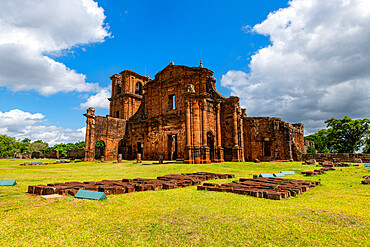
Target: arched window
(118, 89)
(99, 149)
(138, 88)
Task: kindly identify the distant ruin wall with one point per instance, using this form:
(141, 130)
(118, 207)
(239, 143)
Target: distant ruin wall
(36, 155)
(342, 157)
(54, 154)
(76, 153)
(23, 156)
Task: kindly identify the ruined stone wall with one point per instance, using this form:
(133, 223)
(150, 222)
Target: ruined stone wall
(271, 139)
(78, 153)
(23, 155)
(298, 136)
(154, 134)
(54, 154)
(107, 129)
(36, 155)
(231, 128)
(124, 105)
(341, 157)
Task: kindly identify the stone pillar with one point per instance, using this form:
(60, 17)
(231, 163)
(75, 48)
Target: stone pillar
(205, 159)
(241, 131)
(90, 133)
(188, 147)
(197, 132)
(139, 158)
(236, 148)
(219, 150)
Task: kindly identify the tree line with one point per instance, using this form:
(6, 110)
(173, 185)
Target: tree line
(11, 145)
(344, 135)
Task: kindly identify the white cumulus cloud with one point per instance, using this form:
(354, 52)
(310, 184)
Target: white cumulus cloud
(20, 124)
(99, 100)
(317, 66)
(32, 29)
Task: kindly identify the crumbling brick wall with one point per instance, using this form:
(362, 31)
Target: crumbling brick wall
(54, 154)
(107, 129)
(36, 155)
(337, 157)
(78, 153)
(269, 139)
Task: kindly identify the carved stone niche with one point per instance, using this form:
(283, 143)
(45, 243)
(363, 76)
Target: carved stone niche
(90, 111)
(190, 88)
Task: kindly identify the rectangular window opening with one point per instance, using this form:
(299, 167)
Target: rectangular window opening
(172, 102)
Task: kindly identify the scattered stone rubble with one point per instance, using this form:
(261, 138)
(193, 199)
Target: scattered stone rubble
(327, 163)
(327, 166)
(269, 188)
(367, 179)
(309, 162)
(170, 181)
(41, 163)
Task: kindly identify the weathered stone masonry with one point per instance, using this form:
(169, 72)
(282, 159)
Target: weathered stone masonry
(180, 115)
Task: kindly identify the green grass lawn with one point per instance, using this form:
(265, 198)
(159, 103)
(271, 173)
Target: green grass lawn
(336, 213)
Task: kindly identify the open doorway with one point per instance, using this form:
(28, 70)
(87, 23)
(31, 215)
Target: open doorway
(121, 148)
(172, 147)
(99, 149)
(266, 148)
(211, 145)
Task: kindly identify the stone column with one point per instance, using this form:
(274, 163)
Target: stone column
(90, 133)
(241, 139)
(219, 150)
(188, 148)
(196, 131)
(218, 125)
(235, 128)
(236, 148)
(205, 149)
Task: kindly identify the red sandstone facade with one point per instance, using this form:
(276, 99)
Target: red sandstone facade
(181, 116)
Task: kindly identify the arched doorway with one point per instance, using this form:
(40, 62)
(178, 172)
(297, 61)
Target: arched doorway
(99, 149)
(211, 145)
(138, 88)
(121, 148)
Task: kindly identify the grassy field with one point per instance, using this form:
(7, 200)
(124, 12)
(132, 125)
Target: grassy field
(336, 213)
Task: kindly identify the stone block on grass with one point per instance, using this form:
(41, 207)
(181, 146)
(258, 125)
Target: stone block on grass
(91, 195)
(7, 182)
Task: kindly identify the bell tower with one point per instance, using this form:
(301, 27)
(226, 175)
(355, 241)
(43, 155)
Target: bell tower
(127, 93)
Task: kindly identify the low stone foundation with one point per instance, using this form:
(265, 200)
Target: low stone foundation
(341, 157)
(269, 188)
(170, 181)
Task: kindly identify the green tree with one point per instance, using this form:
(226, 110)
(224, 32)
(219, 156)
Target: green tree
(366, 149)
(38, 146)
(321, 141)
(346, 135)
(311, 150)
(8, 146)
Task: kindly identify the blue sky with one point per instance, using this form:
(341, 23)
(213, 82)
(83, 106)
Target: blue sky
(295, 63)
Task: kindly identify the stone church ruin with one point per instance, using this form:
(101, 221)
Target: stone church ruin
(179, 115)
